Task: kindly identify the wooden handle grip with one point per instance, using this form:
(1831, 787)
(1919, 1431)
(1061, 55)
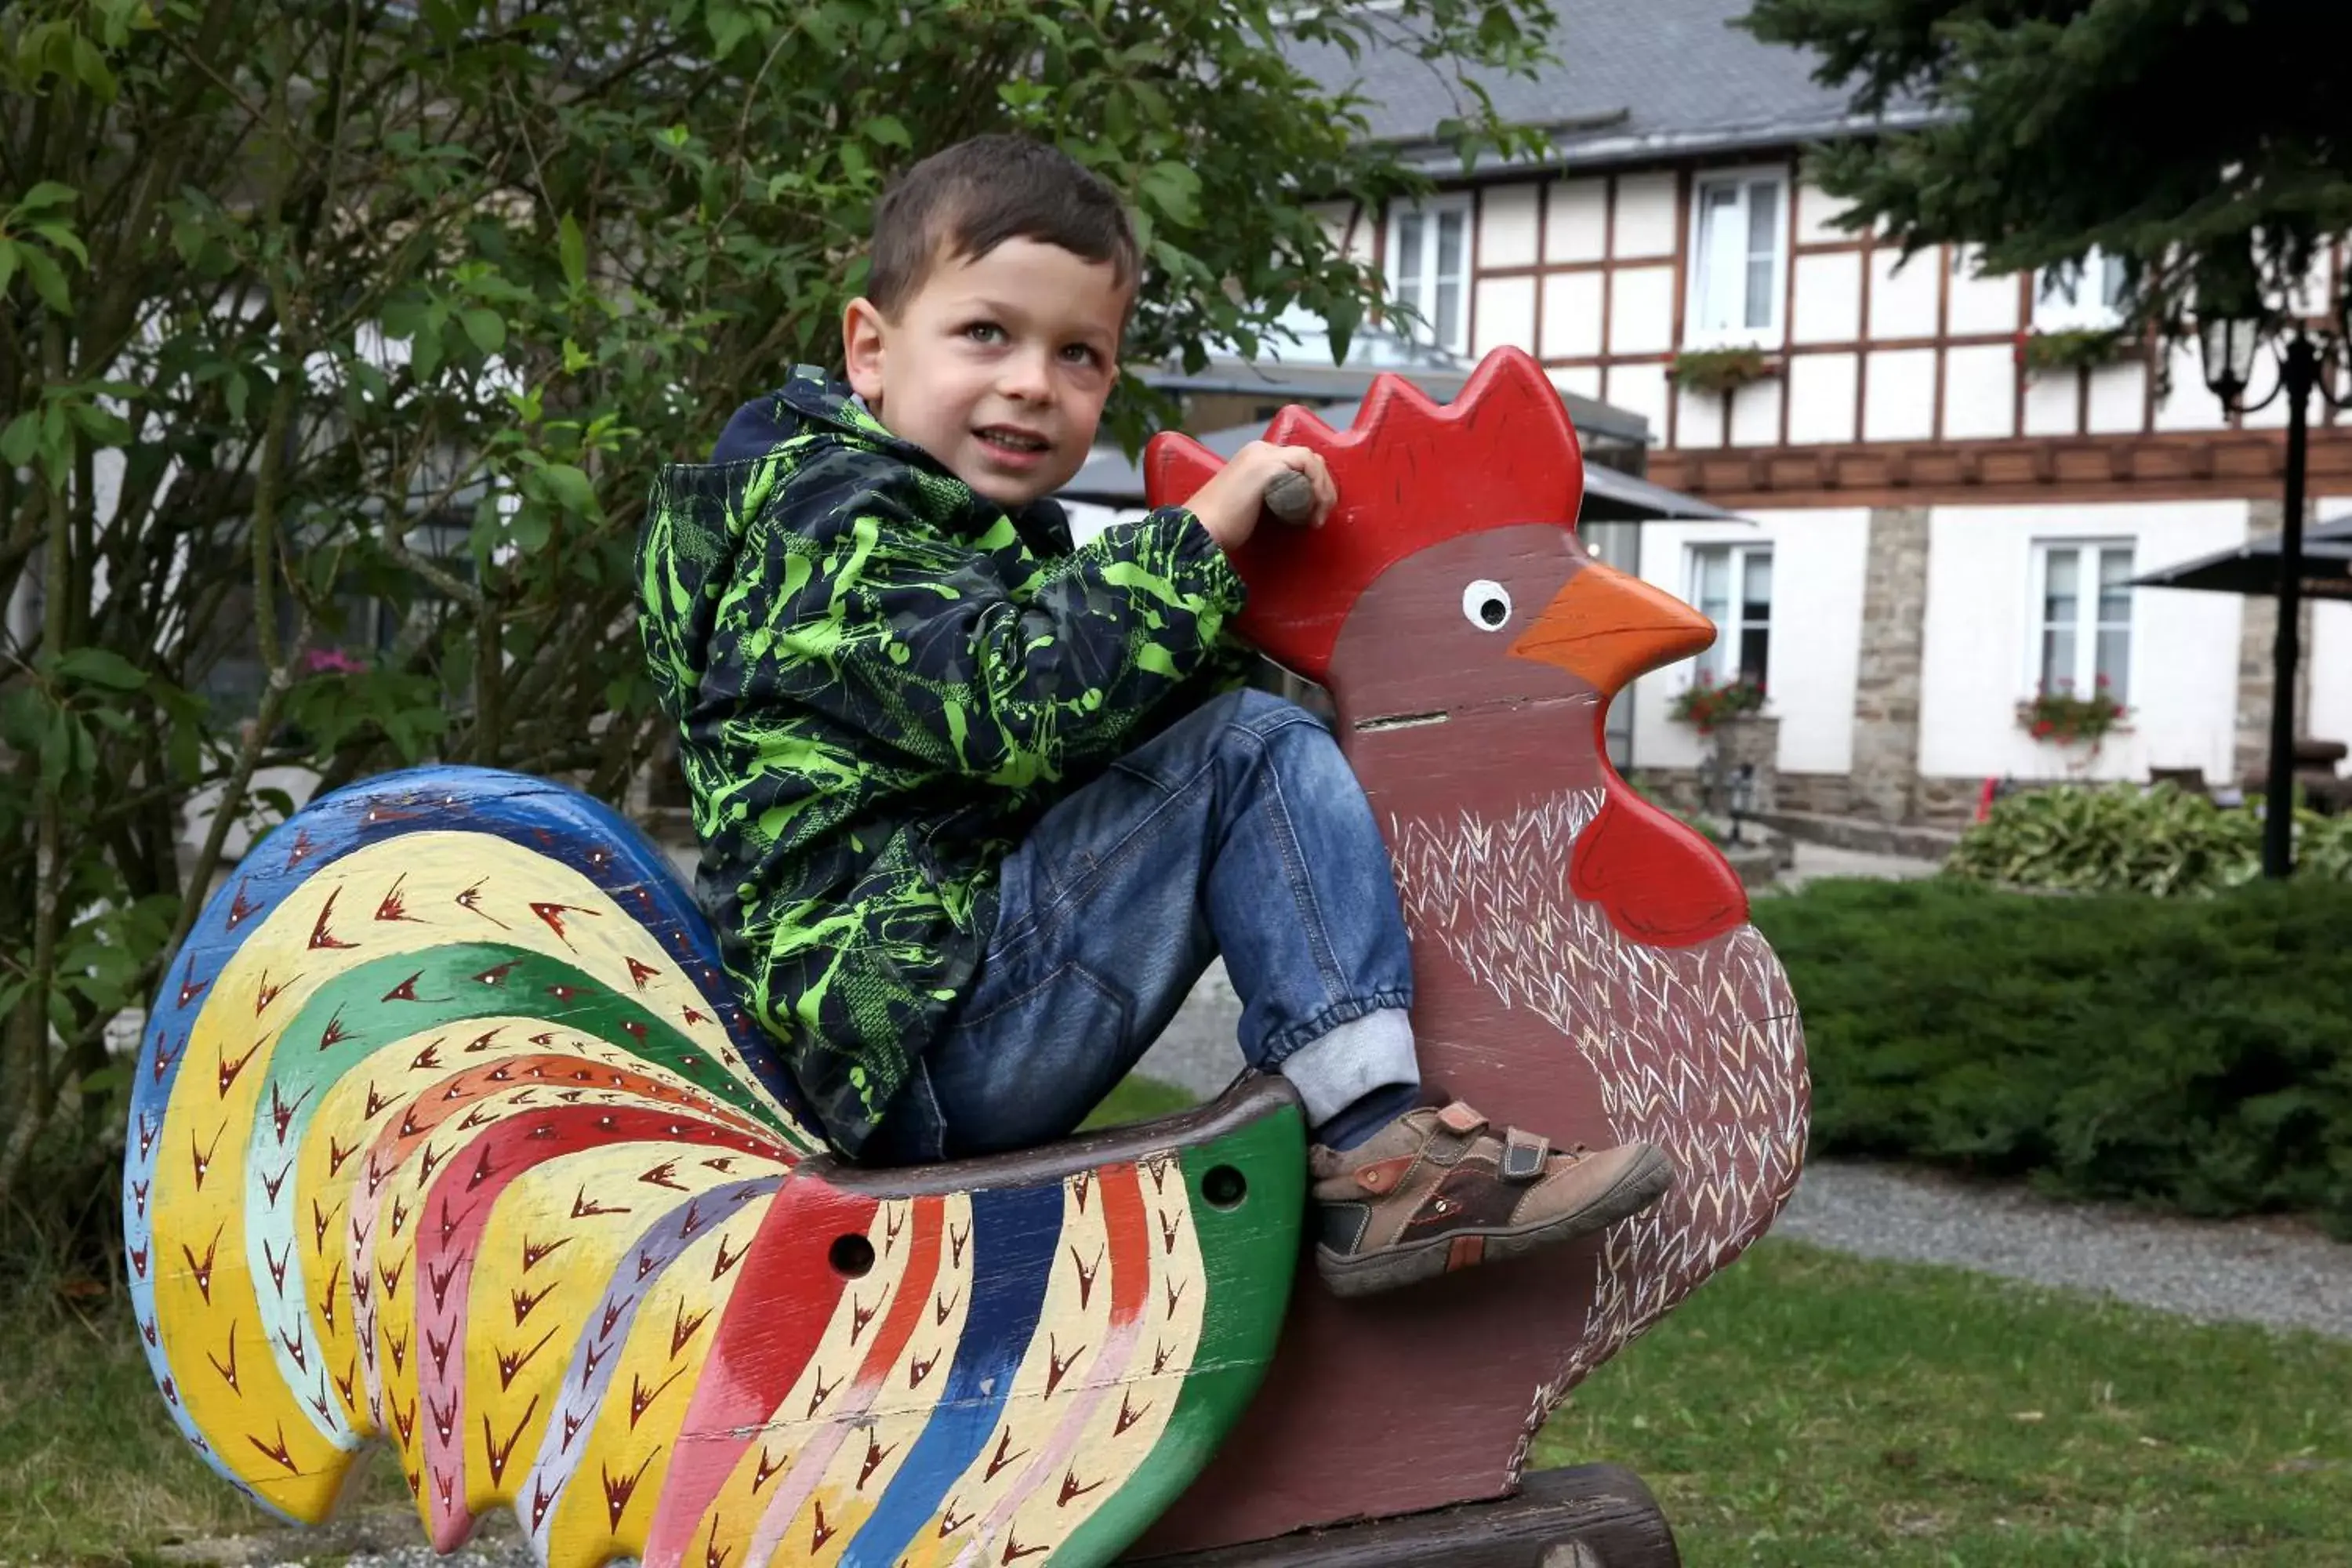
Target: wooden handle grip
(1291, 496)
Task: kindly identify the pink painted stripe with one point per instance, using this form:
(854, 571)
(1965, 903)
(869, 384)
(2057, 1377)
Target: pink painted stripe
(1128, 1226)
(458, 1208)
(773, 1325)
(808, 1466)
(683, 1510)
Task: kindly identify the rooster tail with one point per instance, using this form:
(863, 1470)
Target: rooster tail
(446, 1020)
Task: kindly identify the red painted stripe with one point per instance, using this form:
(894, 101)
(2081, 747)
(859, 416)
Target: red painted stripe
(773, 1325)
(1129, 1228)
(444, 1241)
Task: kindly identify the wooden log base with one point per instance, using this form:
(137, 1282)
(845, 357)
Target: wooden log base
(1587, 1516)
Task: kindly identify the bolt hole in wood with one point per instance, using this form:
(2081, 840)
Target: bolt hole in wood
(851, 1256)
(1224, 1187)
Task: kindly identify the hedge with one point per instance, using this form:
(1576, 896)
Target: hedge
(2195, 1054)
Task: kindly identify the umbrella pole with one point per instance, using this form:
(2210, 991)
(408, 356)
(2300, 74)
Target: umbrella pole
(2300, 369)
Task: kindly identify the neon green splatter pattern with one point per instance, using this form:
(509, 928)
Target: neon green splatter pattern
(880, 681)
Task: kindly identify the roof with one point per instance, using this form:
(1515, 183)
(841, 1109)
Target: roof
(1108, 479)
(1630, 81)
(1317, 384)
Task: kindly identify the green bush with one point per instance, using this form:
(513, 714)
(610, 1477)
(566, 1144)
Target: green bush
(2124, 838)
(2191, 1053)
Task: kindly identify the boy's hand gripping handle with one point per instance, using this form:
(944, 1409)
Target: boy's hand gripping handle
(1291, 496)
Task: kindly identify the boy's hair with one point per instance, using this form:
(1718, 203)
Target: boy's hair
(962, 202)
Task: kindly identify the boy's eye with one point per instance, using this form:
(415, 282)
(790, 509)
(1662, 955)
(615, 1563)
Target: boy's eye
(1080, 353)
(985, 332)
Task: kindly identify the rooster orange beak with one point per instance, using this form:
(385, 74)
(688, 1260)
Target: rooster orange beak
(1605, 627)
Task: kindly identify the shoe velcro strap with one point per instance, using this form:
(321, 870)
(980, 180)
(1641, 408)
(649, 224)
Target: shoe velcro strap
(1458, 1119)
(1524, 1154)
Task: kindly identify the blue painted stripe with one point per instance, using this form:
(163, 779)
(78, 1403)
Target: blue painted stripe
(1013, 1239)
(546, 818)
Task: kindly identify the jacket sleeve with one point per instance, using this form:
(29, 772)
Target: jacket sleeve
(920, 642)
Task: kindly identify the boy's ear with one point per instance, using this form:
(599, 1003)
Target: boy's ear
(862, 333)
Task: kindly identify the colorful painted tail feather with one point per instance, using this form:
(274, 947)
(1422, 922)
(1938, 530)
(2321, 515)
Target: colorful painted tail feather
(449, 1131)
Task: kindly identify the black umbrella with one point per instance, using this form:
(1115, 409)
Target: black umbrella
(2253, 568)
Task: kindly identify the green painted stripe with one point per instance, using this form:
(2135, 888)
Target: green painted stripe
(368, 1005)
(1251, 1254)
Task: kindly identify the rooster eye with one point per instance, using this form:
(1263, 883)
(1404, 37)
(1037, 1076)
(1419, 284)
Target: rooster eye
(1487, 605)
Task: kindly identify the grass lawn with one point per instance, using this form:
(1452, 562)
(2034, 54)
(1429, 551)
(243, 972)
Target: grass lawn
(1803, 1409)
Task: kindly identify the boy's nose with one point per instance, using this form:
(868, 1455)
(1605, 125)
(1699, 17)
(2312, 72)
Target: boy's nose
(1026, 376)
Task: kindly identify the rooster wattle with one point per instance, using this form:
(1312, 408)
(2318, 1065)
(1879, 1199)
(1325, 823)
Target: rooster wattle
(1582, 960)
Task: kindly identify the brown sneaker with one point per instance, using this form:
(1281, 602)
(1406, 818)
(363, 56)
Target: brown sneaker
(1434, 1191)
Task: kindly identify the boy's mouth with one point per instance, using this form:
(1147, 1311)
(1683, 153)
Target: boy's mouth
(1012, 442)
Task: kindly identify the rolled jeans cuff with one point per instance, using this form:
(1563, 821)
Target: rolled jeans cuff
(1349, 1061)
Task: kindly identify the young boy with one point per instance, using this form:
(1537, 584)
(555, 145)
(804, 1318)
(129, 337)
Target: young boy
(978, 808)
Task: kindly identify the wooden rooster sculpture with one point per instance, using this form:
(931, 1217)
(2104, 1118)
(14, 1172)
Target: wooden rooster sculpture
(446, 1132)
(1582, 962)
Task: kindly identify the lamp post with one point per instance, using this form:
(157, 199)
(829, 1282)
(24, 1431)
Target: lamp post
(2227, 343)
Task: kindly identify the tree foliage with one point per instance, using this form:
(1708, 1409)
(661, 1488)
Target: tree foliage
(339, 340)
(2202, 140)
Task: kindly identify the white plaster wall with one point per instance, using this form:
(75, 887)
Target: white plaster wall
(1504, 311)
(1756, 414)
(1902, 295)
(1571, 314)
(1829, 298)
(1577, 228)
(1821, 396)
(1641, 311)
(1645, 214)
(2054, 402)
(1980, 304)
(1899, 404)
(1979, 393)
(1506, 225)
(1343, 221)
(1584, 380)
(1639, 389)
(1815, 208)
(2188, 406)
(2330, 657)
(1698, 417)
(1980, 654)
(1817, 562)
(2118, 397)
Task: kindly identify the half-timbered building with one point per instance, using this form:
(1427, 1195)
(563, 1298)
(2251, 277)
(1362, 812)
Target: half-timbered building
(1946, 479)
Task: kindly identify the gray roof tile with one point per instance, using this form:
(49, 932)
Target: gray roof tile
(1631, 80)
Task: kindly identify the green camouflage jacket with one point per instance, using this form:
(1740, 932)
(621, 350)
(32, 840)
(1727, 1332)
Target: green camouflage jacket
(879, 681)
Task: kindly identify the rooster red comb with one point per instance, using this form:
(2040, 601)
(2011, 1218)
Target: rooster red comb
(1410, 473)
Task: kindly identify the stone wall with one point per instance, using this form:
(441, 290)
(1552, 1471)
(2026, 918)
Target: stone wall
(1886, 688)
(2257, 640)
(1751, 742)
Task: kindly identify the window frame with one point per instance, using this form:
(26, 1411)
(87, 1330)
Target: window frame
(1774, 333)
(1731, 632)
(1425, 331)
(2086, 629)
(2046, 315)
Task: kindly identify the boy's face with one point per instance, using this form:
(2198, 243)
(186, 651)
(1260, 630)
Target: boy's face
(997, 367)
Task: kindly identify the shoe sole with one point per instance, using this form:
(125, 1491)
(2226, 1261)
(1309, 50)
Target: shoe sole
(1644, 1182)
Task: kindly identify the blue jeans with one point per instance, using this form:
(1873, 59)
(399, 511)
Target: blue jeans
(1240, 829)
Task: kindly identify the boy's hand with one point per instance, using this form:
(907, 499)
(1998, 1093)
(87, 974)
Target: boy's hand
(1230, 504)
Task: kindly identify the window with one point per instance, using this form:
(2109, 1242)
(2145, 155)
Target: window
(2083, 618)
(1732, 586)
(1738, 259)
(1429, 270)
(2088, 299)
